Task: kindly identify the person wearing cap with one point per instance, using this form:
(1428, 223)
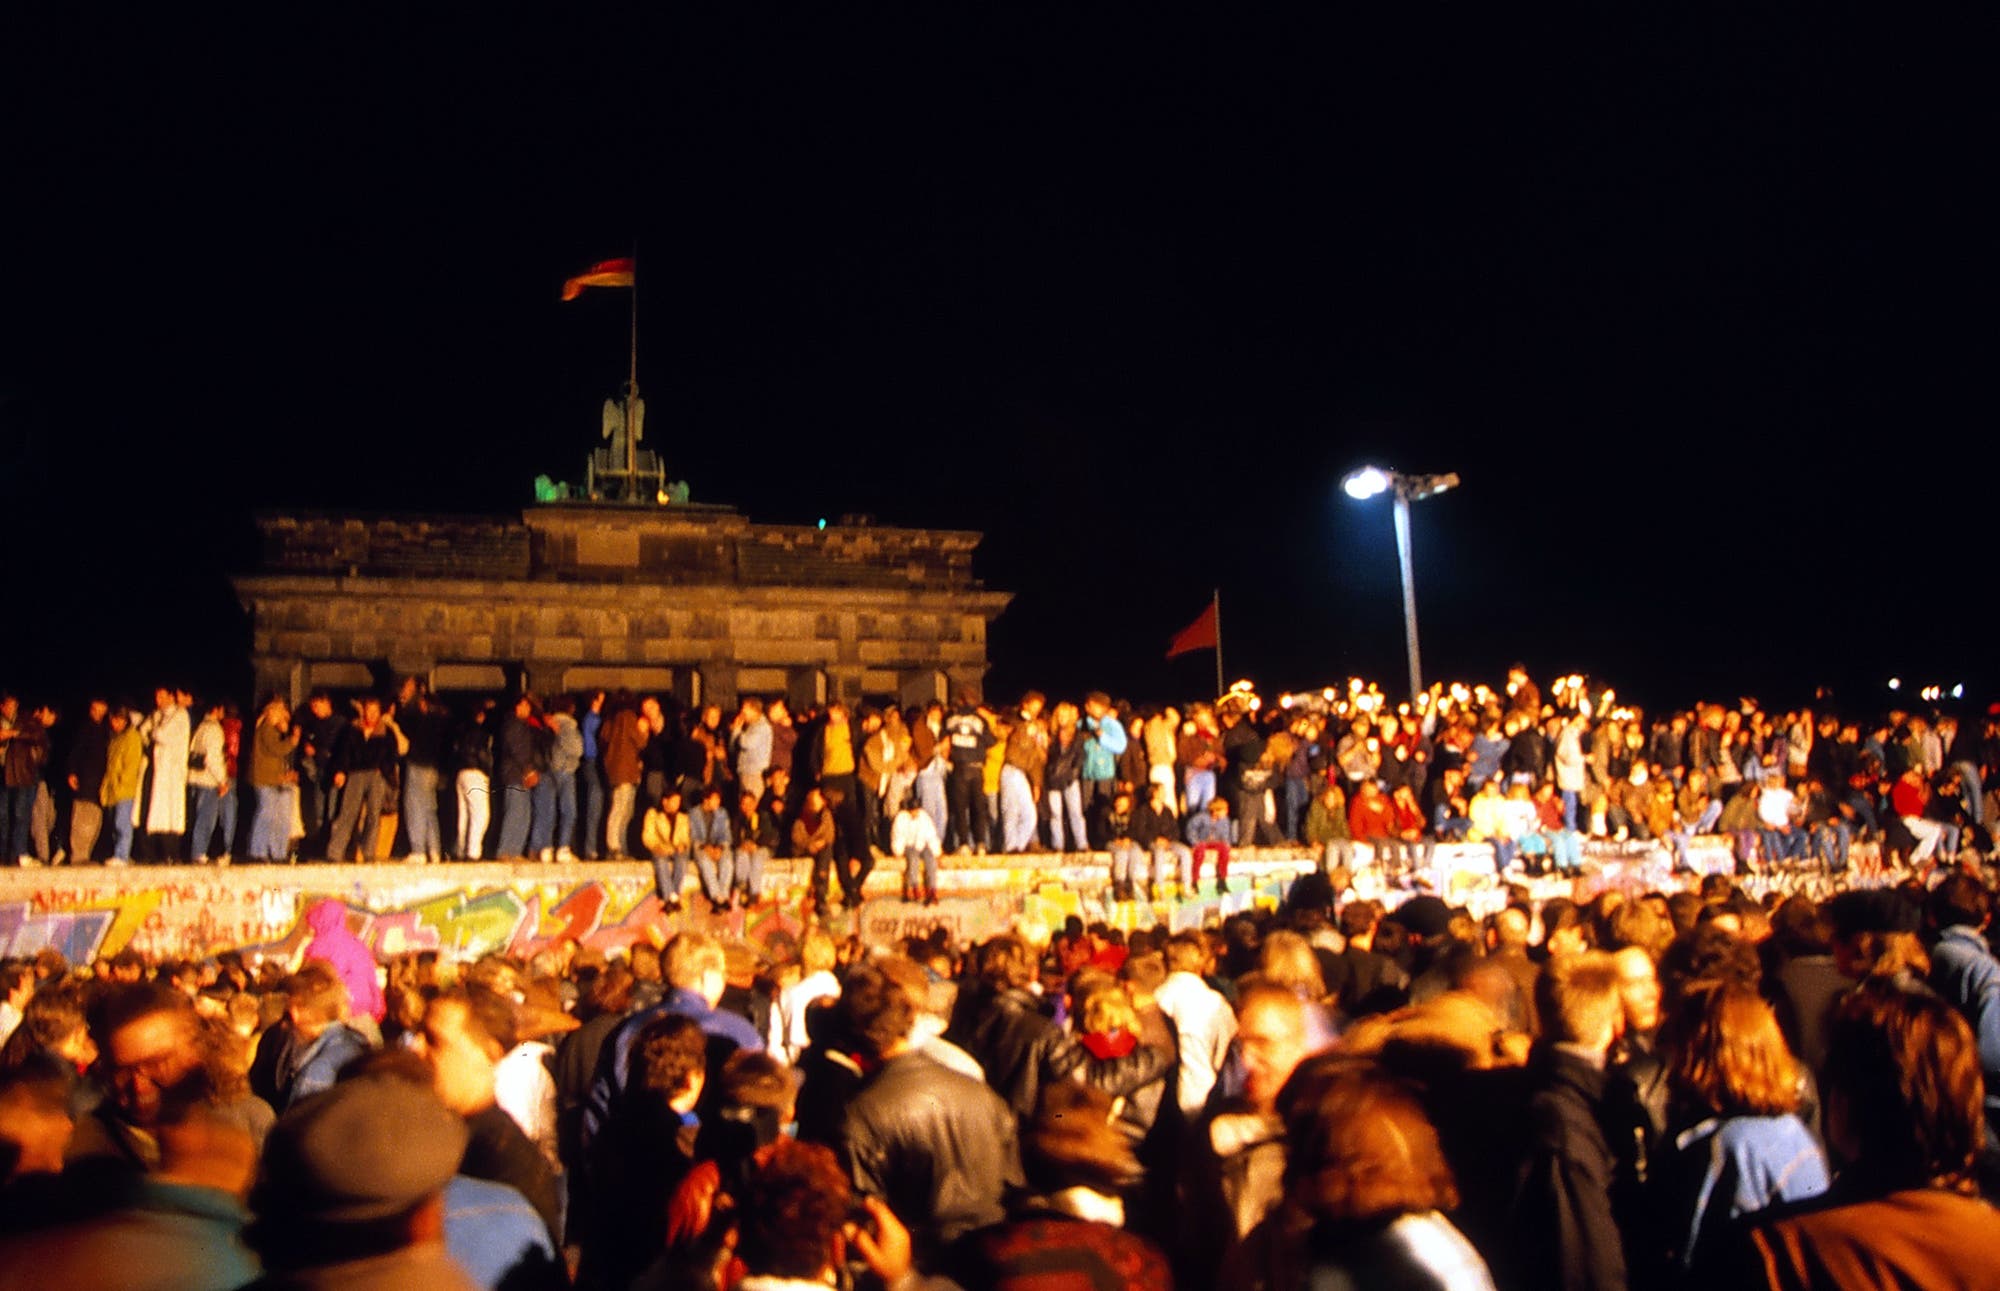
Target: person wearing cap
(352, 1191)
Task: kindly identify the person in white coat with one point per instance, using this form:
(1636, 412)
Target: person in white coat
(166, 735)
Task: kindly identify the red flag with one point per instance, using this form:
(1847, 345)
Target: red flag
(1198, 635)
(605, 273)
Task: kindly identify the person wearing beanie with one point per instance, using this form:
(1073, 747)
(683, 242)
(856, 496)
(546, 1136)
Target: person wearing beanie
(352, 1191)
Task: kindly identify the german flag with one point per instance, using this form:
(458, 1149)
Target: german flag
(605, 273)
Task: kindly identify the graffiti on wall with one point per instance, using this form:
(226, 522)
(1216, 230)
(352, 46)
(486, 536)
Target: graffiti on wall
(464, 912)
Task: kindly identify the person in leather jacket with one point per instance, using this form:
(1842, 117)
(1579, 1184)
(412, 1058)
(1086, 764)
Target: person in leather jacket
(1001, 1024)
(940, 1148)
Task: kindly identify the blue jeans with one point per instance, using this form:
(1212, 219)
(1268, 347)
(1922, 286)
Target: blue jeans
(121, 829)
(746, 870)
(207, 811)
(542, 817)
(1336, 852)
(1503, 853)
(1292, 799)
(591, 776)
(271, 830)
(714, 872)
(920, 863)
(1784, 845)
(420, 811)
(1017, 810)
(670, 875)
(1566, 849)
(518, 804)
(1176, 859)
(1200, 790)
(562, 787)
(1127, 859)
(1975, 792)
(1831, 841)
(1569, 797)
(230, 798)
(1067, 801)
(930, 796)
(20, 804)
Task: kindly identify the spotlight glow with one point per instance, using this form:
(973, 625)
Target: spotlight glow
(1368, 482)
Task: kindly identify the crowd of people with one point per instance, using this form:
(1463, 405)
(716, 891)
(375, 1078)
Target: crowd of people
(1165, 794)
(1648, 1091)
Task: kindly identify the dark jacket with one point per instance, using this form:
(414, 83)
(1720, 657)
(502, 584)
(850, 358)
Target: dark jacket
(1135, 1072)
(938, 1147)
(474, 750)
(1015, 1044)
(1565, 1236)
(358, 750)
(522, 749)
(1065, 765)
(87, 756)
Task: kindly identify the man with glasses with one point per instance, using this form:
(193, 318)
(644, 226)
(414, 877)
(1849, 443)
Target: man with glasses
(145, 1036)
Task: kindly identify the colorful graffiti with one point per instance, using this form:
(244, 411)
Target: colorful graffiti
(468, 910)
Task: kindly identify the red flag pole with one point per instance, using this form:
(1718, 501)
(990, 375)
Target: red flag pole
(632, 389)
(1215, 607)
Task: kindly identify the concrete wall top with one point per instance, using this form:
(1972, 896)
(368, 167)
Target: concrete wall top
(638, 545)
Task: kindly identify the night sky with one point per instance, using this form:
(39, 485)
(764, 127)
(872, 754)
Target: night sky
(1703, 316)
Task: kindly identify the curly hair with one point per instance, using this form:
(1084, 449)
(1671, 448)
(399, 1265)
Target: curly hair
(672, 1052)
(790, 1209)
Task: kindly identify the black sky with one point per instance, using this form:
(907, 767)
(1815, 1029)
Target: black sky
(1703, 316)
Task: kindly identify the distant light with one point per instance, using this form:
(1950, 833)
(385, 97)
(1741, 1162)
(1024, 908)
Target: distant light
(1895, 683)
(1366, 483)
(1958, 691)
(822, 522)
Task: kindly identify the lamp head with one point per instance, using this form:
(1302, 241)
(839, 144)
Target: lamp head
(1366, 483)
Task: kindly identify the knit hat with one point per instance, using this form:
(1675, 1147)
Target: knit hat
(367, 1149)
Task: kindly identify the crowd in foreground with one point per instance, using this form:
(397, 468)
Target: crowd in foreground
(1165, 793)
(1651, 1091)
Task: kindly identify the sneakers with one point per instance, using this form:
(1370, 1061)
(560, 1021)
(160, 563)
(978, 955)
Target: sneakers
(564, 855)
(415, 858)
(116, 860)
(28, 862)
(223, 859)
(548, 854)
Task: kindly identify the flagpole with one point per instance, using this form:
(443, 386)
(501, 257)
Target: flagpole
(1215, 604)
(632, 391)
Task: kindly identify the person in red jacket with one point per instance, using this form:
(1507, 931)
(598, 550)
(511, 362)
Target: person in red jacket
(1909, 796)
(1371, 819)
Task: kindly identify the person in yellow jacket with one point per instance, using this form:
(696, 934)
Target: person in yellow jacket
(670, 844)
(124, 766)
(1491, 824)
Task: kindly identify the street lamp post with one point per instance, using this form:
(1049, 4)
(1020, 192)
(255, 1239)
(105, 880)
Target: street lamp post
(1371, 481)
